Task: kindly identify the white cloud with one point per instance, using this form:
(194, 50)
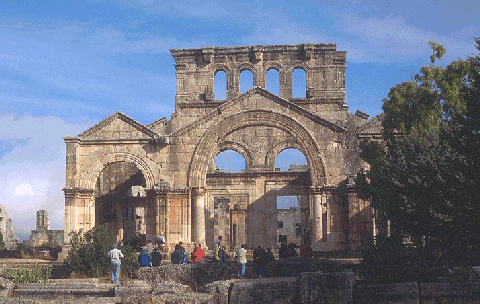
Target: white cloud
(32, 174)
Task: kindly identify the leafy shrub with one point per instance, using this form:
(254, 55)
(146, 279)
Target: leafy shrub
(33, 274)
(463, 274)
(88, 255)
(389, 261)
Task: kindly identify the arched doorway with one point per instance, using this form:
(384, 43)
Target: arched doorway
(121, 200)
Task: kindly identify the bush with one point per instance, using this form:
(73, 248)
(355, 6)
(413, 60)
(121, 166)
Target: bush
(88, 255)
(389, 261)
(33, 274)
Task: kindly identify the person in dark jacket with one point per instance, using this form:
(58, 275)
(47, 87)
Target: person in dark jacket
(156, 257)
(281, 251)
(259, 258)
(270, 257)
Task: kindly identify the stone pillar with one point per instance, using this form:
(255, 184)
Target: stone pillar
(78, 211)
(198, 227)
(317, 216)
(286, 85)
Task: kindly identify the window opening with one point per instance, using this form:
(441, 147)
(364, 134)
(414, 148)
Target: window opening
(229, 161)
(246, 80)
(220, 85)
(299, 83)
(273, 81)
(291, 160)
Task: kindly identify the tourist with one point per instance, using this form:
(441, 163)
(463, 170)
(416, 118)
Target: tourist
(156, 257)
(216, 251)
(223, 256)
(241, 256)
(149, 246)
(269, 256)
(115, 256)
(219, 240)
(161, 240)
(178, 255)
(259, 258)
(198, 253)
(281, 251)
(290, 251)
(144, 259)
(305, 250)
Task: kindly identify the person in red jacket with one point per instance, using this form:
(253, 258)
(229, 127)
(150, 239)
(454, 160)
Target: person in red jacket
(198, 253)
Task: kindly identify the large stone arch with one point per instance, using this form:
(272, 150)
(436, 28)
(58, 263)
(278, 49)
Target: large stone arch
(209, 141)
(230, 145)
(92, 174)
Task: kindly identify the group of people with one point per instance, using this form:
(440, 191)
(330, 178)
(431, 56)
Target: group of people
(151, 255)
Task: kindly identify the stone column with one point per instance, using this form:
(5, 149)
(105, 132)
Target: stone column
(198, 227)
(317, 216)
(78, 211)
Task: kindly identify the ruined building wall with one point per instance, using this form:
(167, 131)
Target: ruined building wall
(183, 196)
(7, 229)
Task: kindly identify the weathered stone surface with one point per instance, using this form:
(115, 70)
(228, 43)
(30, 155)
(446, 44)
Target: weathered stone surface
(406, 293)
(317, 287)
(264, 290)
(171, 287)
(222, 288)
(169, 298)
(132, 288)
(6, 287)
(468, 292)
(292, 267)
(193, 275)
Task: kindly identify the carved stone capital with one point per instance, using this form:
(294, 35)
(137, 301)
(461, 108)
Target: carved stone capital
(198, 191)
(78, 192)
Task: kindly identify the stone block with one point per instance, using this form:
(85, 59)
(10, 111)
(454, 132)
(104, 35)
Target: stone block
(405, 293)
(317, 287)
(221, 288)
(265, 290)
(467, 292)
(6, 288)
(171, 287)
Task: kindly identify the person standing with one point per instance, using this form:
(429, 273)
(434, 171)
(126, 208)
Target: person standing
(259, 258)
(149, 246)
(218, 241)
(161, 240)
(241, 256)
(216, 251)
(198, 253)
(115, 256)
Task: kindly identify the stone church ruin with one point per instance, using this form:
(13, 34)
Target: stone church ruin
(162, 177)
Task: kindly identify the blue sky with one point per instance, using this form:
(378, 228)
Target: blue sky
(65, 65)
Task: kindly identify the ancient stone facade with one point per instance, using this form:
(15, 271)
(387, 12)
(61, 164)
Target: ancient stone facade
(42, 233)
(6, 229)
(173, 161)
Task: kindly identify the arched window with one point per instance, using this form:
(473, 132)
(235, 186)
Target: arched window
(246, 80)
(229, 161)
(299, 83)
(220, 85)
(273, 81)
(291, 160)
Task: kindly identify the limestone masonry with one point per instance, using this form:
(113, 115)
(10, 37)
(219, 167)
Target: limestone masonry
(6, 229)
(161, 177)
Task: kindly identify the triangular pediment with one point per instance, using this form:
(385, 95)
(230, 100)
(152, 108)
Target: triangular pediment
(118, 126)
(258, 98)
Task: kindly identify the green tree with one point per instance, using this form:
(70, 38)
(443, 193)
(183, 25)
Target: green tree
(425, 176)
(88, 255)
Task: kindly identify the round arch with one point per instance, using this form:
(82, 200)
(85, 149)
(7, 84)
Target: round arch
(92, 174)
(252, 68)
(274, 151)
(209, 141)
(230, 145)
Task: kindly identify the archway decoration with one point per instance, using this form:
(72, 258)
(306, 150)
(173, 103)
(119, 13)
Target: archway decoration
(91, 177)
(209, 141)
